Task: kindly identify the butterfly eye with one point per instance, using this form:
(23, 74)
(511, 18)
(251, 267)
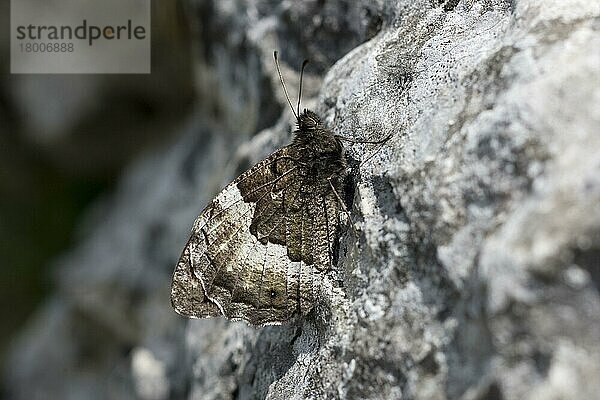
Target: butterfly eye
(273, 294)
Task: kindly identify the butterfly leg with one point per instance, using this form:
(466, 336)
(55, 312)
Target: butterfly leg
(344, 208)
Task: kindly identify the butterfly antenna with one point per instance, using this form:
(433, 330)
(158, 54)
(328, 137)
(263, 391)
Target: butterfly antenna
(300, 93)
(287, 96)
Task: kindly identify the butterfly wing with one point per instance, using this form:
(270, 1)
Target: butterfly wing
(260, 247)
(187, 295)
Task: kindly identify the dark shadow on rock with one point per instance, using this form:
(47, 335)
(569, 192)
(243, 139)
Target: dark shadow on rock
(272, 356)
(469, 354)
(589, 260)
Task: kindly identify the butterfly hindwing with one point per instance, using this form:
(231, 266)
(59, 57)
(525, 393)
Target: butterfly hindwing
(258, 252)
(260, 247)
(187, 295)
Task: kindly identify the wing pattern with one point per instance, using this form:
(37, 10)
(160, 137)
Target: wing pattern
(258, 251)
(187, 294)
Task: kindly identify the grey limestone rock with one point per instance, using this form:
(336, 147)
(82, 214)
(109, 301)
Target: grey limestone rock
(477, 271)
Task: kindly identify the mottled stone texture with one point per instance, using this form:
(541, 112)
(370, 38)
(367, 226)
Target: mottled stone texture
(476, 274)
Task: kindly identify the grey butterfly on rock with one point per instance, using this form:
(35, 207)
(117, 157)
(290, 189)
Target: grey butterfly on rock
(259, 251)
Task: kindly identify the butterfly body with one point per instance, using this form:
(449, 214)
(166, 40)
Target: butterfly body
(321, 153)
(259, 251)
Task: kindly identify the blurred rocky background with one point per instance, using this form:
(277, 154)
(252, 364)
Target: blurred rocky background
(476, 274)
(64, 140)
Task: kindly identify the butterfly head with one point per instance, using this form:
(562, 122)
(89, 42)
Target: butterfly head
(309, 122)
(319, 144)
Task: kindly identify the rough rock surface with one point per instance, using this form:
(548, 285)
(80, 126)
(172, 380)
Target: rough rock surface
(476, 274)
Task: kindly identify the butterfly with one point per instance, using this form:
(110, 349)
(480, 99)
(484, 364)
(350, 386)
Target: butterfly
(259, 251)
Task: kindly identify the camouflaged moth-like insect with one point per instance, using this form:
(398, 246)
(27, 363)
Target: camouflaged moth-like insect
(258, 252)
